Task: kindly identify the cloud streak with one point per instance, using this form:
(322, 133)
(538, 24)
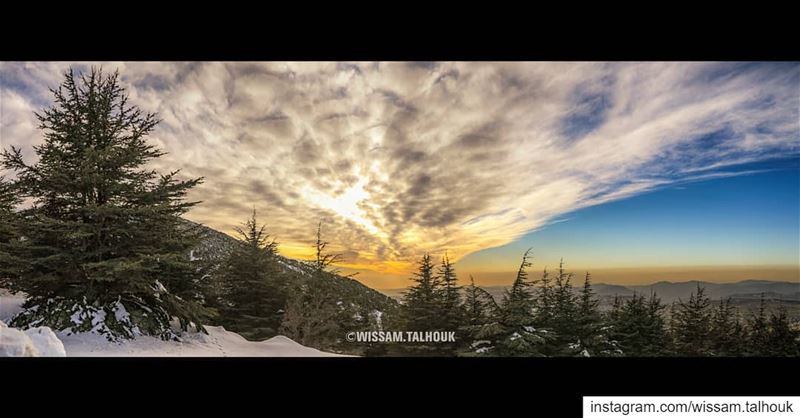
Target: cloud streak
(402, 158)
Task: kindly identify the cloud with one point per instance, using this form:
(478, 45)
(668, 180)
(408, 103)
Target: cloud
(398, 158)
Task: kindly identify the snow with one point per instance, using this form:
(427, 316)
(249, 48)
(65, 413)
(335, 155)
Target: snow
(378, 318)
(33, 342)
(14, 343)
(293, 268)
(120, 313)
(10, 305)
(219, 342)
(159, 288)
(46, 342)
(480, 342)
(76, 317)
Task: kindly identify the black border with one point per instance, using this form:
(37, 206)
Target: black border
(395, 385)
(400, 32)
(402, 383)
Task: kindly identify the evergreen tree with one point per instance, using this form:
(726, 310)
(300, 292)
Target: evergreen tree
(783, 340)
(450, 310)
(726, 332)
(564, 316)
(637, 326)
(253, 297)
(104, 239)
(419, 301)
(8, 199)
(475, 309)
(544, 302)
(590, 329)
(758, 343)
(422, 308)
(512, 332)
(692, 325)
(8, 236)
(479, 309)
(517, 306)
(312, 315)
(656, 332)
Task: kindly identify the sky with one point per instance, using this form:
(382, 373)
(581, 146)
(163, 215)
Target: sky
(725, 229)
(609, 165)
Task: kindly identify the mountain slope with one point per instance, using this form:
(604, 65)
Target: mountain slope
(215, 247)
(669, 291)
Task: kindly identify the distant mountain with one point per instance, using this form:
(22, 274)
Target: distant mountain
(669, 291)
(672, 291)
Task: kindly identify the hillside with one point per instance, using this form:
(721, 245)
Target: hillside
(215, 247)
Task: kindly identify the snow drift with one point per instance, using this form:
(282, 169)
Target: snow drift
(33, 342)
(219, 342)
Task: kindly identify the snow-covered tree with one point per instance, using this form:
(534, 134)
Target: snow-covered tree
(512, 332)
(104, 247)
(590, 329)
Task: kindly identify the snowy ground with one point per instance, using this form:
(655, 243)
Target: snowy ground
(218, 343)
(9, 305)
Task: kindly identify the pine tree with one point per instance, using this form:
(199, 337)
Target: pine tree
(512, 332)
(475, 309)
(758, 343)
(693, 324)
(104, 239)
(544, 302)
(450, 310)
(517, 306)
(612, 320)
(726, 331)
(479, 309)
(312, 315)
(8, 199)
(422, 308)
(783, 341)
(589, 327)
(637, 326)
(656, 333)
(8, 236)
(253, 297)
(564, 316)
(419, 301)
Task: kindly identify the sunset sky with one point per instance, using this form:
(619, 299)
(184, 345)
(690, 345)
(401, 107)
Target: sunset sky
(636, 171)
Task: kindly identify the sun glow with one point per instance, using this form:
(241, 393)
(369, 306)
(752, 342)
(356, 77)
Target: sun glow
(345, 204)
